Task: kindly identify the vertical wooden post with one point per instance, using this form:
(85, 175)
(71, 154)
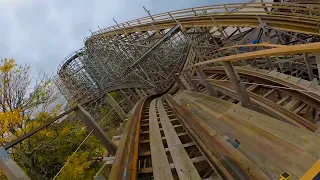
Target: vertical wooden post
(269, 62)
(88, 120)
(128, 100)
(10, 168)
(308, 65)
(193, 84)
(116, 106)
(235, 81)
(203, 80)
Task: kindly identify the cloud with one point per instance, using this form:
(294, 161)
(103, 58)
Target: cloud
(43, 33)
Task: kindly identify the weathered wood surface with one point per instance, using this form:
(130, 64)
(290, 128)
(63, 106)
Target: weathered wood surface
(183, 164)
(274, 146)
(160, 163)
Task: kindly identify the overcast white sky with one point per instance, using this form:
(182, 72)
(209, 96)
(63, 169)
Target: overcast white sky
(42, 32)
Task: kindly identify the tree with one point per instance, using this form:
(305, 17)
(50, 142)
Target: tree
(24, 105)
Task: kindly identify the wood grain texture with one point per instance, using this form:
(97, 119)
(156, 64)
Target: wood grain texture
(160, 163)
(183, 164)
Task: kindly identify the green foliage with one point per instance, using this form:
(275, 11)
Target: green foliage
(44, 154)
(111, 121)
(113, 94)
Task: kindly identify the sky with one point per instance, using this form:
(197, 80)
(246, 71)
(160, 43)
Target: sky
(42, 33)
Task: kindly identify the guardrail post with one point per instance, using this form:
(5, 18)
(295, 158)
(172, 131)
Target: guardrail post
(88, 120)
(123, 94)
(116, 106)
(193, 84)
(308, 65)
(207, 84)
(235, 81)
(10, 168)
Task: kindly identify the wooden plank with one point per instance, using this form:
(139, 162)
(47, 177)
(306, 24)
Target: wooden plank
(150, 169)
(299, 108)
(268, 93)
(182, 162)
(163, 138)
(253, 87)
(223, 148)
(283, 99)
(160, 163)
(292, 104)
(147, 153)
(279, 144)
(247, 147)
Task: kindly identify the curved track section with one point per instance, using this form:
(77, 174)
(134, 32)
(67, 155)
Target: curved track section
(191, 136)
(149, 50)
(263, 56)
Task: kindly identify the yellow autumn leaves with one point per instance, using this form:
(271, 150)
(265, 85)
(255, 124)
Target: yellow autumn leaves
(7, 65)
(9, 121)
(11, 124)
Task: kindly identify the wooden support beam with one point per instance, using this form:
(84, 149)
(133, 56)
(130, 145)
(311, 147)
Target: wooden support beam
(134, 97)
(177, 79)
(318, 63)
(291, 105)
(88, 120)
(10, 168)
(139, 93)
(116, 106)
(235, 81)
(143, 92)
(283, 99)
(309, 113)
(184, 82)
(206, 83)
(308, 66)
(128, 100)
(149, 91)
(269, 62)
(193, 46)
(193, 84)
